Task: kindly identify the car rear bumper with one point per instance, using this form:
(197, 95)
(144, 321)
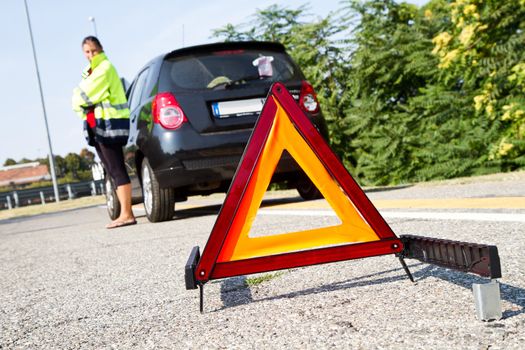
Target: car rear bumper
(206, 173)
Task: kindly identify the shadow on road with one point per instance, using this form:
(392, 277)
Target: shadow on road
(40, 229)
(234, 292)
(356, 282)
(215, 208)
(509, 293)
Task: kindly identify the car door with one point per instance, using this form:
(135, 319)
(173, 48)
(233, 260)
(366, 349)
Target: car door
(134, 95)
(134, 102)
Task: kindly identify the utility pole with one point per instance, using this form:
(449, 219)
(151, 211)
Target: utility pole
(51, 157)
(92, 20)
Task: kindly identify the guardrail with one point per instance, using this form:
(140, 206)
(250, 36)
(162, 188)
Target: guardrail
(43, 195)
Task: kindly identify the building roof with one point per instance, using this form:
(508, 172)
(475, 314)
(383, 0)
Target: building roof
(21, 174)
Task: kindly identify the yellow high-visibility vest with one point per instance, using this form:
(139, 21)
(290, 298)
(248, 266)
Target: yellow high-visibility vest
(102, 91)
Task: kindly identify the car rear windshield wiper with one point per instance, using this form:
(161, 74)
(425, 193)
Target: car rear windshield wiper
(227, 83)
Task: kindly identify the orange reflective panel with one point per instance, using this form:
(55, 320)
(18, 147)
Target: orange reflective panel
(238, 245)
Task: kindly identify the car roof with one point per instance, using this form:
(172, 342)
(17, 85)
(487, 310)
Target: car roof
(229, 45)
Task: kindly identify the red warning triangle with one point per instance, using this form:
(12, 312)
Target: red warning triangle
(281, 126)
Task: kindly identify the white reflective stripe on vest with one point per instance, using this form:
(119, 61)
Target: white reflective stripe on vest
(107, 105)
(111, 133)
(85, 97)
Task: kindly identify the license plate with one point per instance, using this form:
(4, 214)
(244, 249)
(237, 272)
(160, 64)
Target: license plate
(237, 108)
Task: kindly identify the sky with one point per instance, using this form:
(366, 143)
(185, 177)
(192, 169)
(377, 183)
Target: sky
(132, 32)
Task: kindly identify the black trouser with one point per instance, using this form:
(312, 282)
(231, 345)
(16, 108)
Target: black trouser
(112, 158)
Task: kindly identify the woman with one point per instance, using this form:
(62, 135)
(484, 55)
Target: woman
(101, 102)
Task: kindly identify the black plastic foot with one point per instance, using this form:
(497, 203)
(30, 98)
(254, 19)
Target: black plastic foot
(189, 270)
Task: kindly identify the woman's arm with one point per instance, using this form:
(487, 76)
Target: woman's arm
(92, 90)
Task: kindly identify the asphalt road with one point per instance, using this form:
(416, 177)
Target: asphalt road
(68, 283)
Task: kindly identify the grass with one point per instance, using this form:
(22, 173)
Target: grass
(52, 207)
(254, 281)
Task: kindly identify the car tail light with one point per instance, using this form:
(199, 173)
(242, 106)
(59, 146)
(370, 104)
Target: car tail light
(308, 98)
(167, 111)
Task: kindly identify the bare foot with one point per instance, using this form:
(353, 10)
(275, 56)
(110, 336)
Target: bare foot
(121, 223)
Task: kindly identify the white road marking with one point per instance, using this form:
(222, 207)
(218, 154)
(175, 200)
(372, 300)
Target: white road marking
(423, 215)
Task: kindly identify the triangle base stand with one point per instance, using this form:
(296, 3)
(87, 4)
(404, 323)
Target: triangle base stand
(191, 283)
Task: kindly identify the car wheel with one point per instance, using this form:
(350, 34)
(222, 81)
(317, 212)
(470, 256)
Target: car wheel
(159, 203)
(112, 202)
(307, 189)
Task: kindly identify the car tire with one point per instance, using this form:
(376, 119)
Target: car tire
(159, 203)
(112, 202)
(307, 189)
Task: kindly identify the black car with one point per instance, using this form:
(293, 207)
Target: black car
(192, 112)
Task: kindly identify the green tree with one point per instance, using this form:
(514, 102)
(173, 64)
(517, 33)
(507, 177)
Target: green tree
(9, 161)
(274, 23)
(73, 164)
(486, 46)
(24, 161)
(391, 64)
(88, 158)
(60, 165)
(409, 120)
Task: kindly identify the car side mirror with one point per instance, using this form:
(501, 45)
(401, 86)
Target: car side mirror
(125, 85)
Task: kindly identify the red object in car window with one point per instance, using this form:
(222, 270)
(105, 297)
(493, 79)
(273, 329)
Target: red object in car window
(228, 52)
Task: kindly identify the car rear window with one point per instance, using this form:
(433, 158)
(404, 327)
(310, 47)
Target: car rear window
(226, 68)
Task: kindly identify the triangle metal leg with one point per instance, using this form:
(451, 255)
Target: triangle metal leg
(405, 267)
(201, 301)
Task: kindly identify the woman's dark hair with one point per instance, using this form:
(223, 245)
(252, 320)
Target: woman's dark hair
(92, 39)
